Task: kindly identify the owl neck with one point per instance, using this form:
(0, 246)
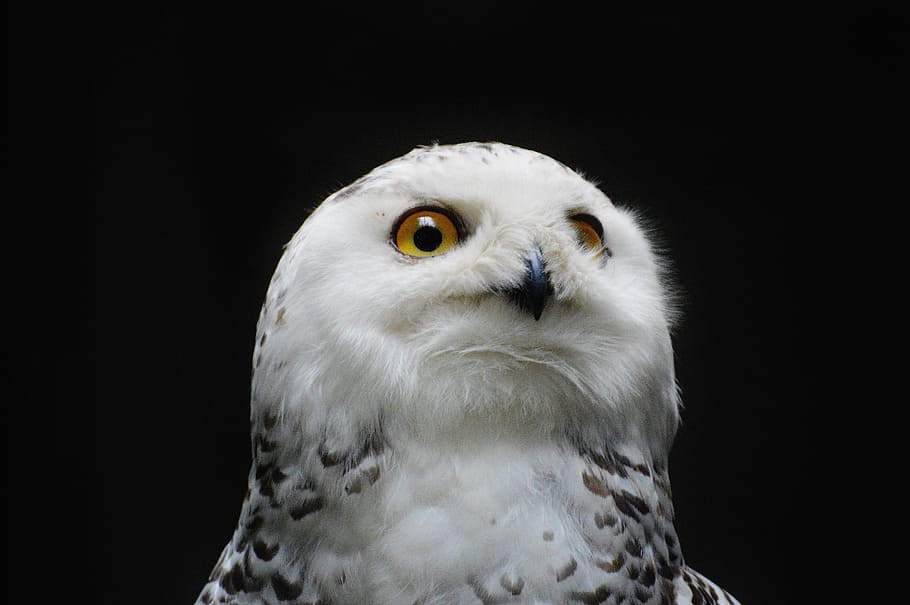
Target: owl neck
(540, 493)
(529, 431)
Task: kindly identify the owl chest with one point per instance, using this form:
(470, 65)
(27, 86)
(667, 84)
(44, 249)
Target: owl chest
(495, 520)
(453, 519)
(470, 501)
(502, 522)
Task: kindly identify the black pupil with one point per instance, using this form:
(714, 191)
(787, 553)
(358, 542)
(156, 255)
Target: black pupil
(427, 238)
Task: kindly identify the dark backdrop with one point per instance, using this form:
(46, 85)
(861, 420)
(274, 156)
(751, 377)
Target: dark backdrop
(163, 157)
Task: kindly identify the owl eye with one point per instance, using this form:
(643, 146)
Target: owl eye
(426, 231)
(590, 232)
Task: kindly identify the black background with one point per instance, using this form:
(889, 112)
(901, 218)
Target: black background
(161, 158)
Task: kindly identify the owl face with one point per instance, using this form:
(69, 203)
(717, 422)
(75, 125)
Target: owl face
(476, 285)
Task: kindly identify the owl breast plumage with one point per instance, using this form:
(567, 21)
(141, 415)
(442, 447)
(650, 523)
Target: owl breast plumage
(463, 392)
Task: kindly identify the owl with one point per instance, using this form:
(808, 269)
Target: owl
(463, 392)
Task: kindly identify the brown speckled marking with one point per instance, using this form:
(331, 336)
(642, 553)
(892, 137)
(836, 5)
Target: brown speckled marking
(484, 595)
(713, 593)
(633, 547)
(308, 506)
(368, 477)
(630, 505)
(594, 485)
(696, 596)
(673, 547)
(269, 477)
(602, 520)
(286, 590)
(264, 551)
(514, 586)
(548, 535)
(280, 319)
(667, 594)
(330, 458)
(702, 592)
(601, 594)
(254, 524)
(372, 445)
(269, 420)
(231, 580)
(647, 576)
(608, 461)
(265, 446)
(567, 570)
(612, 566)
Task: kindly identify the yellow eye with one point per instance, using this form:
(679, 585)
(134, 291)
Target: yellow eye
(590, 232)
(426, 231)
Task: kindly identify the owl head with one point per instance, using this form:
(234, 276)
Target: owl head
(471, 291)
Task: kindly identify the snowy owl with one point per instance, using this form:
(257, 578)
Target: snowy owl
(463, 392)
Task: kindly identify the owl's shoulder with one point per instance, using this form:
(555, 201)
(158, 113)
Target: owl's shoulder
(692, 588)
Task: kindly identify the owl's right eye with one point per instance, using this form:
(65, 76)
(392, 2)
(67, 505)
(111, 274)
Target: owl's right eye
(426, 231)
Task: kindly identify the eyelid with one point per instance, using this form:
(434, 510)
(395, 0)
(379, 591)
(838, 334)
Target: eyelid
(448, 213)
(590, 220)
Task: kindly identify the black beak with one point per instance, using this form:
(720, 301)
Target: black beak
(532, 294)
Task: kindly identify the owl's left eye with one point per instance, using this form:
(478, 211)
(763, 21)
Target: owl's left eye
(426, 231)
(590, 233)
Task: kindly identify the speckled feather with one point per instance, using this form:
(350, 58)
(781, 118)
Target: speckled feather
(423, 440)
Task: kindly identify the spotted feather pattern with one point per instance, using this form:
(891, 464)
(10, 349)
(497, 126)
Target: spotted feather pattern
(288, 488)
(621, 504)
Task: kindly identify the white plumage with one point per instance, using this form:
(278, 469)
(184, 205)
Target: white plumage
(472, 403)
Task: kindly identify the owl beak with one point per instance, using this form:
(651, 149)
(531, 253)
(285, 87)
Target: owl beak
(532, 294)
